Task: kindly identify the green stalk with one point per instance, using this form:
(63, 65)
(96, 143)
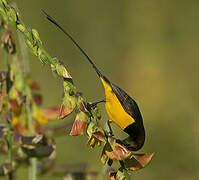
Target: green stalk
(104, 171)
(105, 166)
(8, 124)
(33, 161)
(33, 169)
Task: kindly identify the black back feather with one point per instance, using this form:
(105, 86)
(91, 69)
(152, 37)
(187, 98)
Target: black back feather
(129, 105)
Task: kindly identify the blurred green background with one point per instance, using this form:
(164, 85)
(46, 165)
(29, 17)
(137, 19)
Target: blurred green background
(150, 49)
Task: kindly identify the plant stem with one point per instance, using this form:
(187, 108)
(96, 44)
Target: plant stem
(33, 161)
(104, 171)
(105, 167)
(33, 169)
(8, 123)
(125, 172)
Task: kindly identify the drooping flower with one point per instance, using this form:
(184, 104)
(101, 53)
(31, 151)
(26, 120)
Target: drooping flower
(79, 124)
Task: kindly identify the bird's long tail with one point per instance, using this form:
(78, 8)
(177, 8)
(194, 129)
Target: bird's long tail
(75, 42)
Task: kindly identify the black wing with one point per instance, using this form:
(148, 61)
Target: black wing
(129, 105)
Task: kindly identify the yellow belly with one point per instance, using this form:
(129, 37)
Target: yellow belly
(114, 108)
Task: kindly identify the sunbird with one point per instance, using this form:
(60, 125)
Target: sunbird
(120, 107)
